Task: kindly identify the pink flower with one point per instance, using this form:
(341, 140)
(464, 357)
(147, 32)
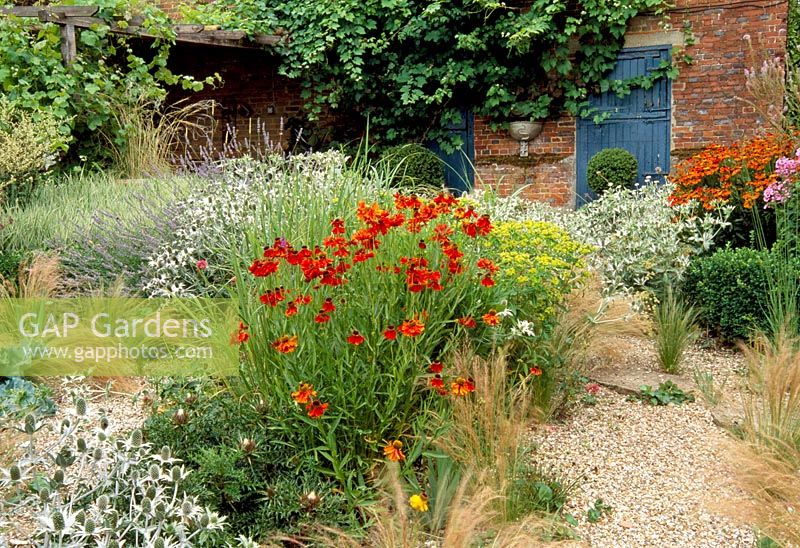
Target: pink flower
(592, 388)
(202, 264)
(777, 193)
(786, 167)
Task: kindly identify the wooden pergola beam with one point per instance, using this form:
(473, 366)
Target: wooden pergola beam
(72, 17)
(33, 11)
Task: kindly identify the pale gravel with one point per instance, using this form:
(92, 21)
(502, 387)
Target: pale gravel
(123, 410)
(663, 470)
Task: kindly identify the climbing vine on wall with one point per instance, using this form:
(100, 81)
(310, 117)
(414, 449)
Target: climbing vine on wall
(110, 71)
(411, 64)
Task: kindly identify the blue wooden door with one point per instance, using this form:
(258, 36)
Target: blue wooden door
(459, 173)
(638, 122)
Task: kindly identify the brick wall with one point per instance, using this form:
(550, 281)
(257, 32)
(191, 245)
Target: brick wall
(251, 97)
(704, 97)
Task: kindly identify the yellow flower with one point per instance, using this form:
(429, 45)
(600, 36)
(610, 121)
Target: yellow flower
(419, 502)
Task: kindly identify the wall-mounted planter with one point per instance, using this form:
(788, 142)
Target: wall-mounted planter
(524, 131)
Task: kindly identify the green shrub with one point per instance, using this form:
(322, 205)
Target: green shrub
(611, 168)
(9, 263)
(414, 166)
(28, 144)
(239, 468)
(730, 288)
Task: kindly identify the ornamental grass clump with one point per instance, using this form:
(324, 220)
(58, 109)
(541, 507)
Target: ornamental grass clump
(768, 456)
(675, 328)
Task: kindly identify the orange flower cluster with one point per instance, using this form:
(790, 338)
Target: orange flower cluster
(306, 395)
(459, 387)
(393, 451)
(735, 174)
(328, 264)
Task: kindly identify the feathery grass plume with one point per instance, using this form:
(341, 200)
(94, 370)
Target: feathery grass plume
(772, 408)
(589, 328)
(767, 459)
(486, 431)
(472, 518)
(774, 490)
(38, 276)
(674, 329)
(153, 133)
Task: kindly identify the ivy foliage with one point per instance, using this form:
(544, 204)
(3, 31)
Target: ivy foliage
(412, 65)
(110, 71)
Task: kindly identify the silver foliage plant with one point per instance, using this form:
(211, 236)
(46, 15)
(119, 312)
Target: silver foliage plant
(641, 242)
(93, 488)
(211, 222)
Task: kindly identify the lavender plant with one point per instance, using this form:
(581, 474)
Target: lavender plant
(94, 488)
(196, 259)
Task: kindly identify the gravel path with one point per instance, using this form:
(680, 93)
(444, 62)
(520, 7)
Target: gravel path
(117, 405)
(663, 470)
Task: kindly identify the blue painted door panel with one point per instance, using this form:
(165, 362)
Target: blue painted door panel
(638, 122)
(459, 173)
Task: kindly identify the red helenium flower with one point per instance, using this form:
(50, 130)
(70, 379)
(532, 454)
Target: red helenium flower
(536, 371)
(263, 267)
(328, 305)
(390, 333)
(322, 317)
(241, 335)
(355, 338)
(316, 409)
(435, 367)
(467, 321)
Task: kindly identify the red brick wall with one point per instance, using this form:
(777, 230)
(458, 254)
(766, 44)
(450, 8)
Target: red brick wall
(705, 105)
(704, 98)
(252, 94)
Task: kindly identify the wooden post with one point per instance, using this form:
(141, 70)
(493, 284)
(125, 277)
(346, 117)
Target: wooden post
(69, 49)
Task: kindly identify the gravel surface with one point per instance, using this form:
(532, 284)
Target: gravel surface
(117, 403)
(663, 470)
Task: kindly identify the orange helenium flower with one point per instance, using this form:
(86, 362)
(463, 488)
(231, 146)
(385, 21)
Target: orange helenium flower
(491, 318)
(285, 344)
(394, 451)
(536, 371)
(462, 386)
(411, 328)
(305, 393)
